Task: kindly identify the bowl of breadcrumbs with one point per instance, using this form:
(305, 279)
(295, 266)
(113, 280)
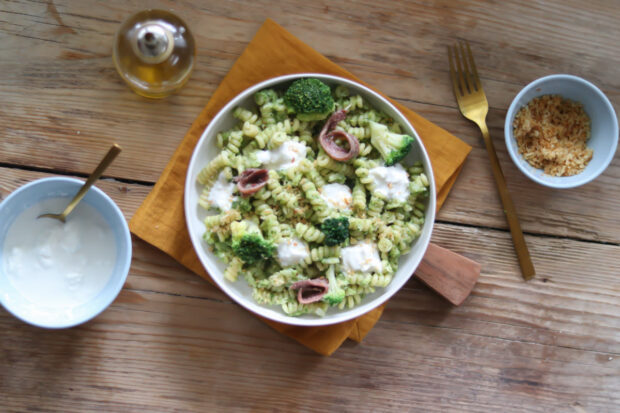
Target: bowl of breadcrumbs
(561, 131)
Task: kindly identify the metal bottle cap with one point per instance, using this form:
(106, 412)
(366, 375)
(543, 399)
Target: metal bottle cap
(153, 43)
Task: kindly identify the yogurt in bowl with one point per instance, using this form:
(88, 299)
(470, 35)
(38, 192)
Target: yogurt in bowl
(59, 275)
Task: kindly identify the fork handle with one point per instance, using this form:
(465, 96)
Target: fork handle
(523, 254)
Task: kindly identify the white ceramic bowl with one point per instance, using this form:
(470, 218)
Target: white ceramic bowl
(206, 149)
(603, 140)
(34, 193)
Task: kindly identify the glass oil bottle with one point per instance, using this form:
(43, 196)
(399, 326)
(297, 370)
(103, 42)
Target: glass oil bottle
(154, 53)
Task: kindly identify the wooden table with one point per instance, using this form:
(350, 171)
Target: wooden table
(172, 342)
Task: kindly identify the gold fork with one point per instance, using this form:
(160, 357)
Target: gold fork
(474, 106)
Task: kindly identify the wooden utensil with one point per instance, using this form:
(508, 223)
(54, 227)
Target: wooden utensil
(451, 275)
(474, 106)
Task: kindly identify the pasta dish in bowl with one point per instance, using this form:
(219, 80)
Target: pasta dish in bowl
(310, 199)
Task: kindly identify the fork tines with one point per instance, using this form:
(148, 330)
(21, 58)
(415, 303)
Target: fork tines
(465, 76)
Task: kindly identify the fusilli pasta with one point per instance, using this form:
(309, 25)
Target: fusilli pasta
(288, 217)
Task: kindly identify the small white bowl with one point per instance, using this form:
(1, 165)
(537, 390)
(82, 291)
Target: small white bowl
(240, 291)
(604, 123)
(33, 193)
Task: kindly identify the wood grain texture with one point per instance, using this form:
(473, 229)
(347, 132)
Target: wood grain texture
(171, 342)
(64, 95)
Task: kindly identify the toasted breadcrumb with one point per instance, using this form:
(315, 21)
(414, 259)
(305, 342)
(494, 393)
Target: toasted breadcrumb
(552, 133)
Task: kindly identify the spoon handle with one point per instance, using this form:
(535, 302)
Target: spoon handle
(103, 165)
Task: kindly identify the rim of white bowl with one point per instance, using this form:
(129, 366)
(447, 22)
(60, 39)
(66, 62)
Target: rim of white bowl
(228, 288)
(518, 160)
(128, 254)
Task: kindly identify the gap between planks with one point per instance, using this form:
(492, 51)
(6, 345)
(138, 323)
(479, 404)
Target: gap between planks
(150, 184)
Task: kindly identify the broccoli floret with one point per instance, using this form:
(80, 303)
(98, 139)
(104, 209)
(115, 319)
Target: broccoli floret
(335, 293)
(392, 146)
(336, 230)
(266, 95)
(242, 204)
(310, 98)
(248, 242)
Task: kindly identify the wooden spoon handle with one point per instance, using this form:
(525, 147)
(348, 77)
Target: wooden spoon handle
(451, 275)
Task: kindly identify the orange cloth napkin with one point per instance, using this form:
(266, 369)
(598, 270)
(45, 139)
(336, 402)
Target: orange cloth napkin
(275, 52)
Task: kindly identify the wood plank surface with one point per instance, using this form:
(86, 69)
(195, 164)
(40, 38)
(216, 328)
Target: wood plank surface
(172, 342)
(52, 110)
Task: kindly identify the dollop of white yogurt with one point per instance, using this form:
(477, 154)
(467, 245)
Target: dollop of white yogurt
(55, 265)
(285, 156)
(221, 194)
(391, 181)
(292, 251)
(337, 195)
(363, 257)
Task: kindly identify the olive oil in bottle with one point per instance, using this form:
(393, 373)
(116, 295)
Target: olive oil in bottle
(154, 53)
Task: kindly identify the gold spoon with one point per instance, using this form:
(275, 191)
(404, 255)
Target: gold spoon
(103, 165)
